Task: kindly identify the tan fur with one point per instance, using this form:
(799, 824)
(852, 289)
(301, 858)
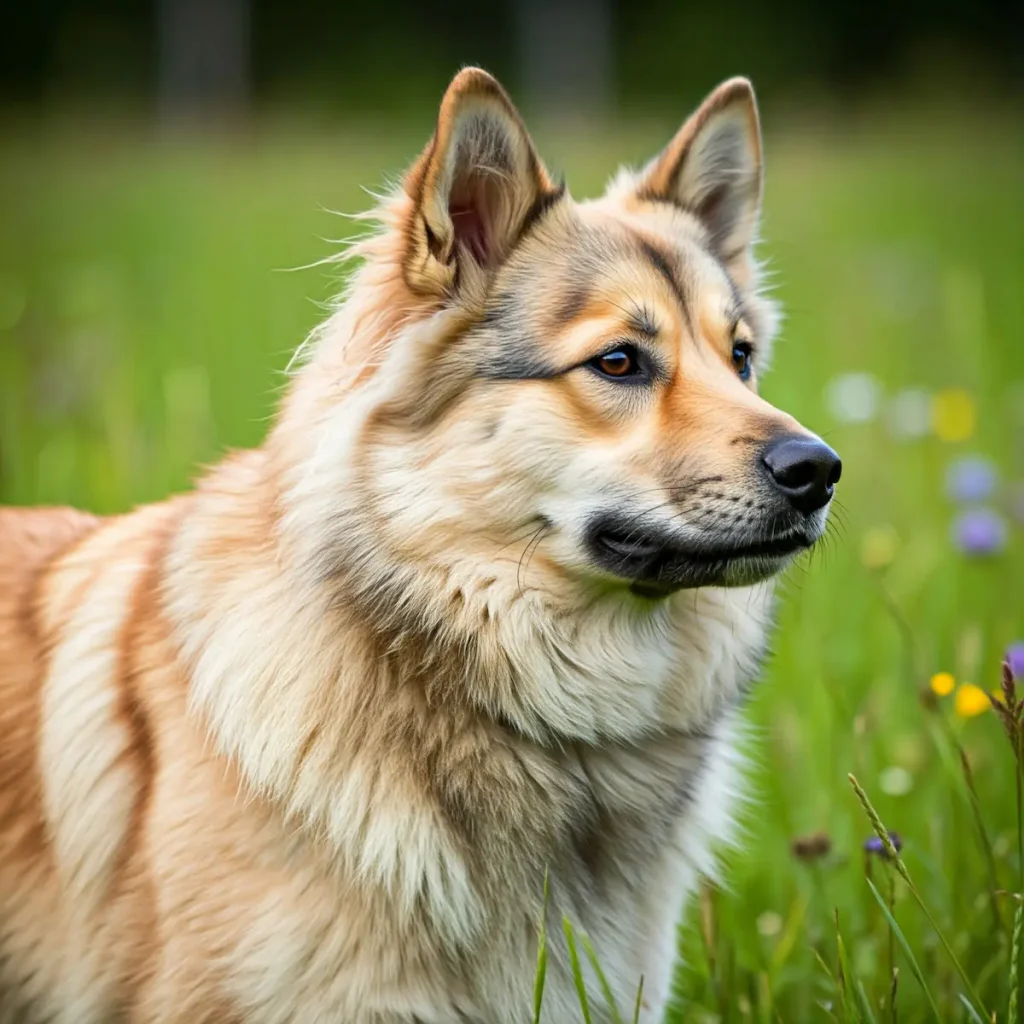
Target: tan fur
(303, 745)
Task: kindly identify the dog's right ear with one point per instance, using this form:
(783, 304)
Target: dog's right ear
(474, 188)
(712, 168)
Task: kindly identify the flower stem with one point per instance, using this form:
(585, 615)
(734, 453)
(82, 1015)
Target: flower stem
(893, 855)
(1020, 813)
(986, 845)
(1018, 926)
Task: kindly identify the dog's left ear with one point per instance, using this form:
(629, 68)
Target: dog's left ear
(712, 168)
(474, 187)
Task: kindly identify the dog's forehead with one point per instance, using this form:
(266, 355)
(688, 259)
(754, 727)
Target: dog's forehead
(594, 254)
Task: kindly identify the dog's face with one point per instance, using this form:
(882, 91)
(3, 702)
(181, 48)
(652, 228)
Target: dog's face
(583, 396)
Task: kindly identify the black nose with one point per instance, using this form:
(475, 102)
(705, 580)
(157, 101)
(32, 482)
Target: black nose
(804, 469)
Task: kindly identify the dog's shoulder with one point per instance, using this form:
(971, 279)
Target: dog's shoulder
(31, 541)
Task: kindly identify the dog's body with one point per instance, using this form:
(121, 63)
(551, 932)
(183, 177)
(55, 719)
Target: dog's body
(304, 745)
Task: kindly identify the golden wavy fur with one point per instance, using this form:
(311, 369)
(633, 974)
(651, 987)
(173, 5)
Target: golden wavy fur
(303, 744)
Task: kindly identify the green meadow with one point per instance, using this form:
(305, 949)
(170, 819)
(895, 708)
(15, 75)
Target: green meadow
(150, 301)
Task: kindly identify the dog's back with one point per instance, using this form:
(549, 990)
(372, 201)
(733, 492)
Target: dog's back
(30, 542)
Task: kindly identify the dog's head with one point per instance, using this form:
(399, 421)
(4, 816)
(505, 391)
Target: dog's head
(573, 384)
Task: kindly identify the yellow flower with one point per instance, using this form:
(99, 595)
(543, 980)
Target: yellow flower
(953, 415)
(971, 700)
(878, 547)
(942, 683)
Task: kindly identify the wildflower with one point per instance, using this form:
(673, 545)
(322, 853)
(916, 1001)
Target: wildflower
(942, 684)
(853, 397)
(811, 847)
(979, 531)
(879, 546)
(953, 415)
(971, 478)
(1015, 658)
(971, 700)
(896, 781)
(909, 414)
(769, 924)
(874, 844)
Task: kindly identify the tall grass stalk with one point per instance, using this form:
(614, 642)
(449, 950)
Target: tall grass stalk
(1018, 927)
(883, 834)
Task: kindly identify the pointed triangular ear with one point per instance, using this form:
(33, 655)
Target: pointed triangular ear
(712, 168)
(474, 188)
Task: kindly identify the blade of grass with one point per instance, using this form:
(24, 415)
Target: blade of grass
(1019, 751)
(883, 835)
(639, 1001)
(864, 1003)
(824, 966)
(1018, 927)
(764, 998)
(542, 956)
(892, 909)
(905, 946)
(831, 977)
(606, 989)
(971, 1011)
(842, 972)
(852, 982)
(986, 844)
(708, 935)
(577, 972)
(791, 931)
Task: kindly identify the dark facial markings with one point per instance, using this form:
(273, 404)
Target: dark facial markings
(519, 365)
(662, 263)
(517, 352)
(575, 301)
(517, 355)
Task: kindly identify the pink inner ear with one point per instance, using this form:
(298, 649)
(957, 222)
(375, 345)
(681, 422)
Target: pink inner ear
(471, 230)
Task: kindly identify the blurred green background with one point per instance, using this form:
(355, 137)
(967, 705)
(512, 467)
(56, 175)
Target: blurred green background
(165, 167)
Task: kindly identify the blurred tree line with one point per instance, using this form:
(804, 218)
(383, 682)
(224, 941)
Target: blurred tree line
(396, 55)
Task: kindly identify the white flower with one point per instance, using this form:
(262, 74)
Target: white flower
(854, 397)
(909, 414)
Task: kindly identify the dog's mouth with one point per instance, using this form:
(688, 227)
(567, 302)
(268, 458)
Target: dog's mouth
(657, 565)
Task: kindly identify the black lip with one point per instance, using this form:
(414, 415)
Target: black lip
(656, 566)
(643, 548)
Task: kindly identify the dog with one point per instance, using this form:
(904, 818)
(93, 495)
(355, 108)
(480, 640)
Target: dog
(474, 624)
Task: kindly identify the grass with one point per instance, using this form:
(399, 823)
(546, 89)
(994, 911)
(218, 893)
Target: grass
(143, 328)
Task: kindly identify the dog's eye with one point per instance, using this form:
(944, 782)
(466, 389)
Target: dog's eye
(619, 363)
(741, 359)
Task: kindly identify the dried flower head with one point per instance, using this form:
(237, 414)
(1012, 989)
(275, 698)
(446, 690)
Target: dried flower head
(811, 847)
(1007, 705)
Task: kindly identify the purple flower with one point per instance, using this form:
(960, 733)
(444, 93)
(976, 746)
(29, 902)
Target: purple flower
(979, 531)
(873, 844)
(971, 478)
(1015, 659)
